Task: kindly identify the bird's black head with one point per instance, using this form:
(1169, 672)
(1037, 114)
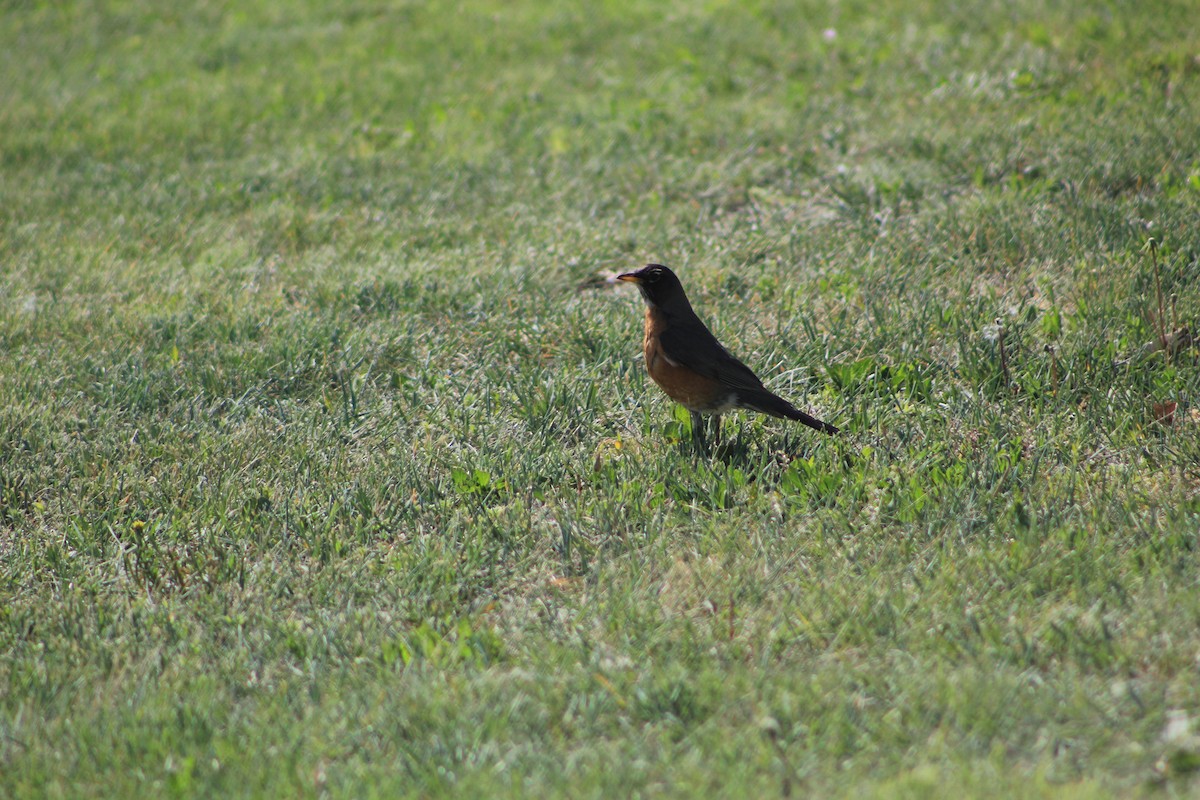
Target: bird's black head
(658, 285)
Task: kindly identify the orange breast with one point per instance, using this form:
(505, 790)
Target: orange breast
(690, 389)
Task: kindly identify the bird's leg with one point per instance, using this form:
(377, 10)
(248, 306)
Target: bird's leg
(716, 421)
(697, 429)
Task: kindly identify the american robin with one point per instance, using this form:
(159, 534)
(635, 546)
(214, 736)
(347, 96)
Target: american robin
(691, 366)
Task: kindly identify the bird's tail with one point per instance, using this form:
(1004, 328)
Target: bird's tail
(776, 406)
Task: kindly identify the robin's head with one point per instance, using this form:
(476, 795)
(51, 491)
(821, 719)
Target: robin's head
(658, 285)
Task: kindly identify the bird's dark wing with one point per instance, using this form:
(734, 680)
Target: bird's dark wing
(689, 343)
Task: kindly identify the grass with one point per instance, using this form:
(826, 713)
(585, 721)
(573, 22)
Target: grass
(328, 466)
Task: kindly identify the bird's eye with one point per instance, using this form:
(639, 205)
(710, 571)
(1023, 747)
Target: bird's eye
(654, 275)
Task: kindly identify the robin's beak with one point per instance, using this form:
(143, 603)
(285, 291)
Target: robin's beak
(632, 277)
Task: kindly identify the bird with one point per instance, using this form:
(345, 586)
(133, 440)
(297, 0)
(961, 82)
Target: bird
(692, 367)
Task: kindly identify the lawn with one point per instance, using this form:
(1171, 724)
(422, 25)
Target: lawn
(329, 466)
